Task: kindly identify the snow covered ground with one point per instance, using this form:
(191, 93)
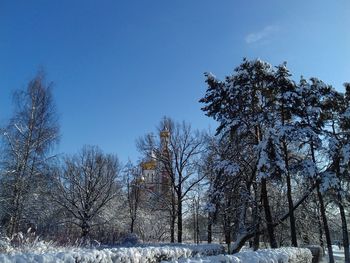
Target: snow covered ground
(137, 254)
(180, 253)
(281, 255)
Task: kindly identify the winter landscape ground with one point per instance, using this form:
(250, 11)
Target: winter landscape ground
(190, 253)
(210, 253)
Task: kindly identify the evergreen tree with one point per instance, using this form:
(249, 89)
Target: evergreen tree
(286, 101)
(242, 105)
(312, 123)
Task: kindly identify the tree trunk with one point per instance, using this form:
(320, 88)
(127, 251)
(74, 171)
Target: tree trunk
(342, 213)
(197, 222)
(172, 230)
(227, 237)
(252, 232)
(194, 228)
(320, 232)
(256, 240)
(268, 216)
(172, 218)
(322, 210)
(132, 225)
(293, 231)
(16, 216)
(179, 218)
(325, 225)
(210, 228)
(197, 233)
(197, 230)
(344, 230)
(256, 219)
(85, 231)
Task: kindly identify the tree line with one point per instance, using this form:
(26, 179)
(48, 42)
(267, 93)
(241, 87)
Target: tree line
(276, 171)
(88, 195)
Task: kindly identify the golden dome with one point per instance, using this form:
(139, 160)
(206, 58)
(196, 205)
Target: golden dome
(150, 165)
(164, 134)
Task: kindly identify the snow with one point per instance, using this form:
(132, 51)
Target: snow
(281, 255)
(227, 166)
(269, 162)
(346, 152)
(179, 253)
(337, 253)
(210, 76)
(329, 181)
(176, 253)
(346, 114)
(139, 254)
(309, 168)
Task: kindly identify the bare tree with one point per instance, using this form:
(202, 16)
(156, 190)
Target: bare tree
(28, 140)
(133, 192)
(85, 185)
(178, 154)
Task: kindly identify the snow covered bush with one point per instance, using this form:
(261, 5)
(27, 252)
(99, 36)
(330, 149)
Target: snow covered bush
(25, 246)
(5, 245)
(280, 255)
(140, 254)
(298, 255)
(23, 243)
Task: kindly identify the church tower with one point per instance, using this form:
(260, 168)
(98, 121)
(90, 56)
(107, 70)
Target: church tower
(164, 173)
(164, 140)
(155, 169)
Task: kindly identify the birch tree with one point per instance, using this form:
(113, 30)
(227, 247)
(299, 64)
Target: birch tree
(28, 141)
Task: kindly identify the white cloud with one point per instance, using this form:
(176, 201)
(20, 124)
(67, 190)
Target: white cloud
(262, 34)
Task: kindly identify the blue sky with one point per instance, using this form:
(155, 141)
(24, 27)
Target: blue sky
(120, 66)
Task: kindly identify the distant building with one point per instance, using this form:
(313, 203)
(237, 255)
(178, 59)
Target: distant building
(155, 177)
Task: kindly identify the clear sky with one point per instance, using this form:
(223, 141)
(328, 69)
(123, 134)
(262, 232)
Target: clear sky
(119, 66)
